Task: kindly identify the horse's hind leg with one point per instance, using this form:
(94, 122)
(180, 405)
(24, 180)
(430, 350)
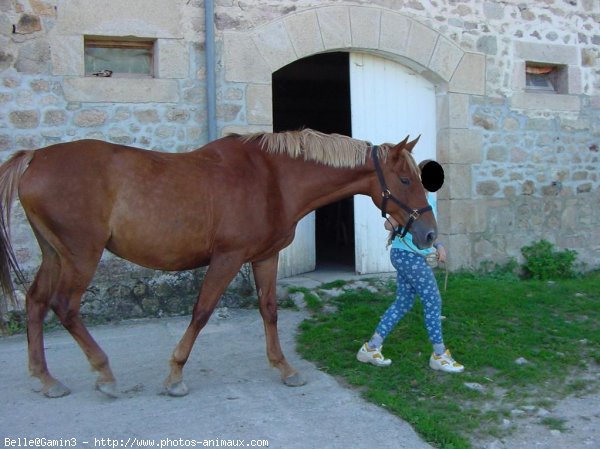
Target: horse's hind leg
(60, 286)
(65, 302)
(265, 276)
(38, 298)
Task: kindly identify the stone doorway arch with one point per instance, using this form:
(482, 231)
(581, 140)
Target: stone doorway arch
(250, 57)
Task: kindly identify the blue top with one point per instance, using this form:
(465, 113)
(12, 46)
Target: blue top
(407, 244)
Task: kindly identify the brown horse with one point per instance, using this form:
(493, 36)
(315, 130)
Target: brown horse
(236, 200)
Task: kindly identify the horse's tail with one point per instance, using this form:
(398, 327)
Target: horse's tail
(10, 175)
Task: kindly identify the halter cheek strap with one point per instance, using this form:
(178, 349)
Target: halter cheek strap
(386, 194)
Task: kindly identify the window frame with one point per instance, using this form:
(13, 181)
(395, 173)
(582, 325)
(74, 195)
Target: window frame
(127, 43)
(555, 76)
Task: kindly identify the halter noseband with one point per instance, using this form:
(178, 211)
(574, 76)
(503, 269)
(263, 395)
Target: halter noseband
(413, 214)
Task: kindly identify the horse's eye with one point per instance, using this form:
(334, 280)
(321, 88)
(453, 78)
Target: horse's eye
(405, 181)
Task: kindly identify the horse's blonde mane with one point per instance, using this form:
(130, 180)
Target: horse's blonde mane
(329, 149)
(334, 150)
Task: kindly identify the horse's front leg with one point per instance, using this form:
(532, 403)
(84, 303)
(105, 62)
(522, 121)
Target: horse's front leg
(220, 273)
(265, 276)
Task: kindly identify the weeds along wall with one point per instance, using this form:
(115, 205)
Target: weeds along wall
(521, 163)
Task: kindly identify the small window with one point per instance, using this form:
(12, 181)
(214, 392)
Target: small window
(119, 57)
(544, 78)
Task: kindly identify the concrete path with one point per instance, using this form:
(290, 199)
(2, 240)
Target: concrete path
(234, 394)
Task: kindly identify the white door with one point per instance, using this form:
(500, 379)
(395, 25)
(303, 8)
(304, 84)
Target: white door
(301, 255)
(388, 101)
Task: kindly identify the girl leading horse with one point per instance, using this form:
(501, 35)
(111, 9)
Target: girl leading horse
(235, 200)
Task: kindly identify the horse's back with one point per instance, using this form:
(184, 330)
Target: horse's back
(104, 194)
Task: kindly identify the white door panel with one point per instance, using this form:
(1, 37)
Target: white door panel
(388, 101)
(300, 256)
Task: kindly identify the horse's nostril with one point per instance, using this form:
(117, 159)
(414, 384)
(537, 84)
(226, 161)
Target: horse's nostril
(431, 237)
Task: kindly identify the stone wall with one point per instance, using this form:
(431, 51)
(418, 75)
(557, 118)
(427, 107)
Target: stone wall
(520, 165)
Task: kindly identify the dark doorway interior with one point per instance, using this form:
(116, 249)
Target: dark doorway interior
(314, 92)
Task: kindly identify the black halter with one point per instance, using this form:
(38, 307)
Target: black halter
(413, 214)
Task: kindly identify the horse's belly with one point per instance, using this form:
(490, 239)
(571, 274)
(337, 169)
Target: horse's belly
(170, 252)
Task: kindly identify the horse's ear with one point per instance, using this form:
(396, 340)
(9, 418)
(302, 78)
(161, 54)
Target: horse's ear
(396, 150)
(400, 145)
(410, 145)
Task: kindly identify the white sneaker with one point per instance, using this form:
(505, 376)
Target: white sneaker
(372, 356)
(445, 363)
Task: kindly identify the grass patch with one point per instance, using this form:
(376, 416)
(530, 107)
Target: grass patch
(554, 424)
(491, 322)
(313, 302)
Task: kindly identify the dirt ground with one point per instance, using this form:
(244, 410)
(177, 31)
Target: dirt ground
(577, 417)
(235, 399)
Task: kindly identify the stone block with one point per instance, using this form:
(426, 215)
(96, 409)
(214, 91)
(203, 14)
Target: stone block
(245, 129)
(334, 22)
(146, 116)
(5, 142)
(488, 45)
(273, 43)
(243, 61)
(548, 53)
(493, 10)
(173, 58)
(445, 58)
(43, 8)
(228, 112)
(365, 24)
(545, 102)
(259, 104)
(177, 115)
(487, 188)
(453, 111)
(421, 43)
(25, 119)
(28, 24)
(67, 54)
(462, 216)
(151, 18)
(469, 76)
(459, 146)
(304, 33)
(458, 181)
(34, 57)
(121, 90)
(90, 118)
(574, 80)
(459, 248)
(395, 29)
(55, 117)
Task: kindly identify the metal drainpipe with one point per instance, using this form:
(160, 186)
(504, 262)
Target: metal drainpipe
(211, 88)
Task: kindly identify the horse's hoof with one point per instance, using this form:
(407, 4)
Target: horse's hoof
(57, 390)
(294, 380)
(178, 389)
(108, 388)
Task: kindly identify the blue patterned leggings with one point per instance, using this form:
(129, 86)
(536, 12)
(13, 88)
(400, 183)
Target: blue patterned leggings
(414, 277)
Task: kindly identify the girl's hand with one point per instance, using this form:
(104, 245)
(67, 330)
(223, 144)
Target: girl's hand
(441, 254)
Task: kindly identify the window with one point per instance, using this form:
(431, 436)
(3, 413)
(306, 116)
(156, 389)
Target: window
(545, 78)
(119, 57)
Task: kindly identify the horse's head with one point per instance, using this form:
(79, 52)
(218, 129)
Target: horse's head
(398, 191)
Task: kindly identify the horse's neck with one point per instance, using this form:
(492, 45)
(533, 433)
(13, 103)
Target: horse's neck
(309, 186)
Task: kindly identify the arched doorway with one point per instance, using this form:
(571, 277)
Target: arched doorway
(252, 56)
(367, 97)
(314, 92)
